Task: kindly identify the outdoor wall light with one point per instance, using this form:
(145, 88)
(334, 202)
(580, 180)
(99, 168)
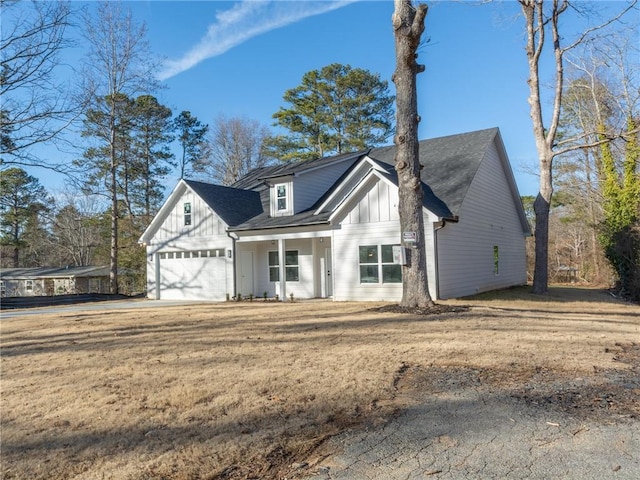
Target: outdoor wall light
(229, 253)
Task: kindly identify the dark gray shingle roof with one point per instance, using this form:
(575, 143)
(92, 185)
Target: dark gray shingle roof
(450, 164)
(233, 205)
(54, 272)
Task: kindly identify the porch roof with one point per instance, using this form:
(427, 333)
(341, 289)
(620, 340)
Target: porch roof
(302, 219)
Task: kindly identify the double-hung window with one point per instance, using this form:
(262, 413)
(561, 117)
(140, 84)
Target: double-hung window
(187, 214)
(291, 266)
(281, 197)
(377, 266)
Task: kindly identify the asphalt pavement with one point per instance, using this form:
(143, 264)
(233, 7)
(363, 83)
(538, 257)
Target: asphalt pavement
(476, 434)
(107, 305)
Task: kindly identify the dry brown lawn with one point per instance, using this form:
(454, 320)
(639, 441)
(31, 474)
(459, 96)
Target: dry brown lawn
(237, 390)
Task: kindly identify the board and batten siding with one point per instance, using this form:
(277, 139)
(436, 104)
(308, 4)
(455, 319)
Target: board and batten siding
(308, 187)
(204, 222)
(488, 218)
(372, 219)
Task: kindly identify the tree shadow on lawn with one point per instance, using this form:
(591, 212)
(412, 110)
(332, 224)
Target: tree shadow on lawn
(266, 445)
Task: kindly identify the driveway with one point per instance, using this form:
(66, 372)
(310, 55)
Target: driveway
(471, 431)
(97, 306)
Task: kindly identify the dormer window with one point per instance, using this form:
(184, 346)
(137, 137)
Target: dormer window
(281, 197)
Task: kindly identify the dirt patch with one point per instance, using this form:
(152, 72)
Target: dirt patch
(433, 312)
(602, 395)
(247, 390)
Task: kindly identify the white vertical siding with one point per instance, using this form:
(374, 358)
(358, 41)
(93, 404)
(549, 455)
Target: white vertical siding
(373, 220)
(362, 225)
(204, 222)
(488, 218)
(377, 202)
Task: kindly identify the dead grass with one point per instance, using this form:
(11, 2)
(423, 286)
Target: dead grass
(234, 390)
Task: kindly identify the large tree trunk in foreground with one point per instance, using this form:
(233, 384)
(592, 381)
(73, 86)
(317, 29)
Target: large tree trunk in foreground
(408, 25)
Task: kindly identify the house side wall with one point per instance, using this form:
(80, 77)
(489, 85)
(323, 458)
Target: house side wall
(488, 218)
(207, 232)
(372, 219)
(18, 287)
(308, 187)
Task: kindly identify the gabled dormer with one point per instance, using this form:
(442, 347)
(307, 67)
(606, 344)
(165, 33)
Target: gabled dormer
(295, 187)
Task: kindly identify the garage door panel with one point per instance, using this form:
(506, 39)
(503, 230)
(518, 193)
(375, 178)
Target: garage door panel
(193, 279)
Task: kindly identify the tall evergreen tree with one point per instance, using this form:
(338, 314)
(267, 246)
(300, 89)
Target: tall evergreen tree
(22, 199)
(336, 109)
(119, 64)
(152, 157)
(191, 134)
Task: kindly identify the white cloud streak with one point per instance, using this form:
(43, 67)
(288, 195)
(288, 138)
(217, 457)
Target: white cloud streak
(245, 20)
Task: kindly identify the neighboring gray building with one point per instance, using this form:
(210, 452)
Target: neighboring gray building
(38, 281)
(328, 227)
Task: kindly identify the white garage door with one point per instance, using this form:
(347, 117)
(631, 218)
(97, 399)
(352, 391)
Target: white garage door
(193, 278)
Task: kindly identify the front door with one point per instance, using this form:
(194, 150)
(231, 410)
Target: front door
(328, 279)
(245, 284)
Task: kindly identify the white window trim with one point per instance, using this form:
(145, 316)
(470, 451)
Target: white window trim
(380, 264)
(276, 266)
(288, 199)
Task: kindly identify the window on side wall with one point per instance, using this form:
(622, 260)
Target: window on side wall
(377, 266)
(28, 285)
(187, 214)
(496, 260)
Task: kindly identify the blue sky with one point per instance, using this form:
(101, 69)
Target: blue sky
(238, 59)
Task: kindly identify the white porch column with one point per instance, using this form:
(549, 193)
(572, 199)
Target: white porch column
(281, 260)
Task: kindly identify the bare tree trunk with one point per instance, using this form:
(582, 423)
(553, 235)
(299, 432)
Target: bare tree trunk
(113, 256)
(408, 25)
(544, 138)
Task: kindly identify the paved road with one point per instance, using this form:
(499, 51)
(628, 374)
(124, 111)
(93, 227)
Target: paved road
(108, 305)
(471, 434)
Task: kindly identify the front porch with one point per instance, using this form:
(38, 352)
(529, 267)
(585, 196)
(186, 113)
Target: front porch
(285, 263)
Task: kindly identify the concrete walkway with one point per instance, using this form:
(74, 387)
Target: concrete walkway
(471, 434)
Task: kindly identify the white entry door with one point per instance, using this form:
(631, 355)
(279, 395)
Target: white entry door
(245, 285)
(328, 278)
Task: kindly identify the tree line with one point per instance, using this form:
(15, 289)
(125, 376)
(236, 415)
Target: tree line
(585, 217)
(129, 136)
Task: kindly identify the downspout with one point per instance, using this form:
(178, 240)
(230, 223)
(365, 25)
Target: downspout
(437, 227)
(233, 238)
